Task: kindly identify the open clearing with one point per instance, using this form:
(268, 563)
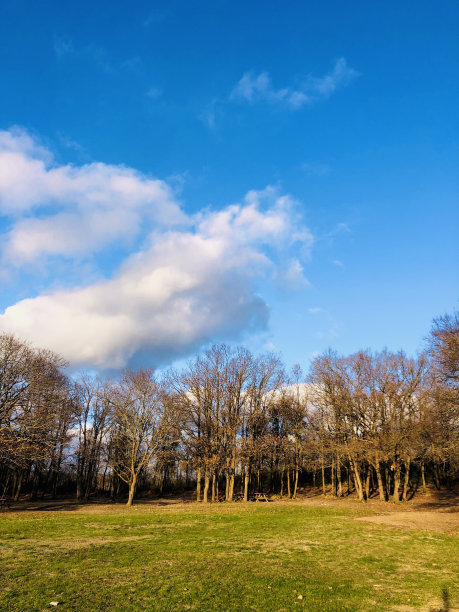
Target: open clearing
(312, 554)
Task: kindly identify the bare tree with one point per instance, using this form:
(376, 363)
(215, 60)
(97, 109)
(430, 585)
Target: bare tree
(140, 424)
(94, 415)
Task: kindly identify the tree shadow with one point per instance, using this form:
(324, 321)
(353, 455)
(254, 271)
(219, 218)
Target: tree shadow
(446, 607)
(72, 505)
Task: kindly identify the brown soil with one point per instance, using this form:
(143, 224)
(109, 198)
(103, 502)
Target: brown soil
(427, 521)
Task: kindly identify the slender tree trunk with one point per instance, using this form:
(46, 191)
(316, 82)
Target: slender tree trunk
(14, 483)
(288, 483)
(357, 479)
(233, 474)
(387, 477)
(57, 471)
(227, 484)
(338, 475)
(206, 486)
(406, 479)
(367, 482)
(17, 492)
(246, 483)
(198, 484)
(322, 467)
(231, 488)
(423, 476)
(214, 486)
(436, 475)
(333, 479)
(382, 496)
(282, 483)
(295, 488)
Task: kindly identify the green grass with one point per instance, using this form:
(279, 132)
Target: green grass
(222, 557)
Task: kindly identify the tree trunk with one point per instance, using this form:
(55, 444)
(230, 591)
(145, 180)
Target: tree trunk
(396, 493)
(227, 484)
(295, 488)
(382, 496)
(246, 483)
(436, 475)
(214, 486)
(231, 487)
(338, 476)
(131, 490)
(357, 479)
(282, 483)
(367, 482)
(387, 475)
(322, 467)
(406, 479)
(423, 476)
(288, 483)
(198, 485)
(206, 486)
(333, 479)
(17, 492)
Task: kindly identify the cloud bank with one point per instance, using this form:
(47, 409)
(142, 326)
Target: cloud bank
(194, 279)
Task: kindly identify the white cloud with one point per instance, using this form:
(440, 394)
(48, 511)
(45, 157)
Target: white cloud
(253, 88)
(185, 290)
(195, 280)
(68, 210)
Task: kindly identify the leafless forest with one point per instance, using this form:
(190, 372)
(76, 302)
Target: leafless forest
(232, 425)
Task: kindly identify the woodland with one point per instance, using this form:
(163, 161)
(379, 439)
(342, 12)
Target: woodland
(232, 425)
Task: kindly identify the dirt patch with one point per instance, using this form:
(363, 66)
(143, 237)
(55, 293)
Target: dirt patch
(443, 522)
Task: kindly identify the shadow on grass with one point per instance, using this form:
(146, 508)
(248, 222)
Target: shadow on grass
(72, 505)
(446, 607)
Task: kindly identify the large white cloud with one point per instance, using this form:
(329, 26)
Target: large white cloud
(193, 282)
(68, 210)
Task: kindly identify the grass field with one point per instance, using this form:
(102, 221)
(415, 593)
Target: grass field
(310, 555)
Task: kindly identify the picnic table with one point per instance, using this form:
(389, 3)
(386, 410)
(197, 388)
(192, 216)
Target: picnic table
(261, 497)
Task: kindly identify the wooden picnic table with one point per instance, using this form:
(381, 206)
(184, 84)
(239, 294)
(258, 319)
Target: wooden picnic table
(261, 497)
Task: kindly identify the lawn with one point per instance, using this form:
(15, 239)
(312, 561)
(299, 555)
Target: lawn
(259, 556)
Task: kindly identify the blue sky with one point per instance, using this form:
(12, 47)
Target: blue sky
(282, 175)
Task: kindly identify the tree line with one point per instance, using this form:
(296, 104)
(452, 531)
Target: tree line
(232, 424)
